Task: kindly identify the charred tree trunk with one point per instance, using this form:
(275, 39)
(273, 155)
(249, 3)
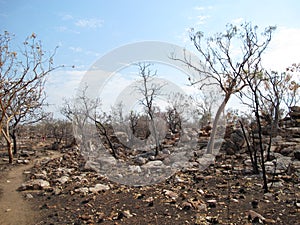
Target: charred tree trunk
(261, 147)
(251, 153)
(13, 136)
(103, 131)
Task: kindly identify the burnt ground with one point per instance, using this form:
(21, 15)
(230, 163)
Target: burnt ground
(224, 193)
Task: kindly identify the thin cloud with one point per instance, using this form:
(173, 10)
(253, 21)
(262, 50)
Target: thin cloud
(75, 49)
(67, 17)
(238, 21)
(199, 8)
(86, 52)
(66, 29)
(202, 19)
(90, 23)
(202, 8)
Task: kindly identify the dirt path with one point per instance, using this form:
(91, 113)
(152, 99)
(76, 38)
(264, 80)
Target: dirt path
(14, 208)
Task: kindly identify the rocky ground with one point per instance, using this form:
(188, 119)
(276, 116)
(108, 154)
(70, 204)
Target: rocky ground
(62, 190)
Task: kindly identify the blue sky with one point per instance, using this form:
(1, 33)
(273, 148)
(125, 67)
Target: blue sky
(86, 30)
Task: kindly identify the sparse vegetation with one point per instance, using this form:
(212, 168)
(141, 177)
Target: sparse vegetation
(259, 145)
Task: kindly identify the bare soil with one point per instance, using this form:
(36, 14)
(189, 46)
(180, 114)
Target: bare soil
(222, 194)
(14, 208)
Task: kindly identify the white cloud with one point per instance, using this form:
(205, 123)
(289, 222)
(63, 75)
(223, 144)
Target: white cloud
(199, 8)
(202, 8)
(67, 17)
(284, 49)
(238, 21)
(202, 19)
(90, 23)
(86, 52)
(75, 49)
(66, 29)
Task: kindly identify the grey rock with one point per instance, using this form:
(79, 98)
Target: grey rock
(297, 154)
(140, 160)
(99, 188)
(83, 190)
(37, 184)
(153, 164)
(63, 179)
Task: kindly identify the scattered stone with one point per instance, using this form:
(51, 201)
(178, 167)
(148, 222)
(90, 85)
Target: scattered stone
(135, 169)
(63, 179)
(99, 188)
(40, 176)
(187, 206)
(153, 164)
(127, 213)
(28, 196)
(170, 194)
(140, 160)
(37, 184)
(255, 217)
(297, 154)
(83, 190)
(212, 203)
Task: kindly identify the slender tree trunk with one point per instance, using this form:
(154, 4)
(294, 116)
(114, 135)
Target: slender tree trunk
(10, 151)
(14, 139)
(211, 143)
(251, 154)
(6, 135)
(265, 186)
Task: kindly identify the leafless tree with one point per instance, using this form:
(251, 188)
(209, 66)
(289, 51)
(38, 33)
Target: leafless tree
(20, 73)
(150, 90)
(85, 112)
(205, 105)
(222, 66)
(60, 130)
(177, 111)
(255, 82)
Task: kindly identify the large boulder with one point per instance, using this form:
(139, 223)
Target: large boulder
(235, 142)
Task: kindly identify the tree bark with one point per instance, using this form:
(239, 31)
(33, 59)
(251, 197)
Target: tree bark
(10, 151)
(265, 186)
(14, 139)
(211, 143)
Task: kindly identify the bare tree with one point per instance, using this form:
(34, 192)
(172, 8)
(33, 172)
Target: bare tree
(177, 111)
(60, 130)
(205, 104)
(20, 72)
(85, 112)
(222, 66)
(133, 122)
(255, 82)
(150, 90)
